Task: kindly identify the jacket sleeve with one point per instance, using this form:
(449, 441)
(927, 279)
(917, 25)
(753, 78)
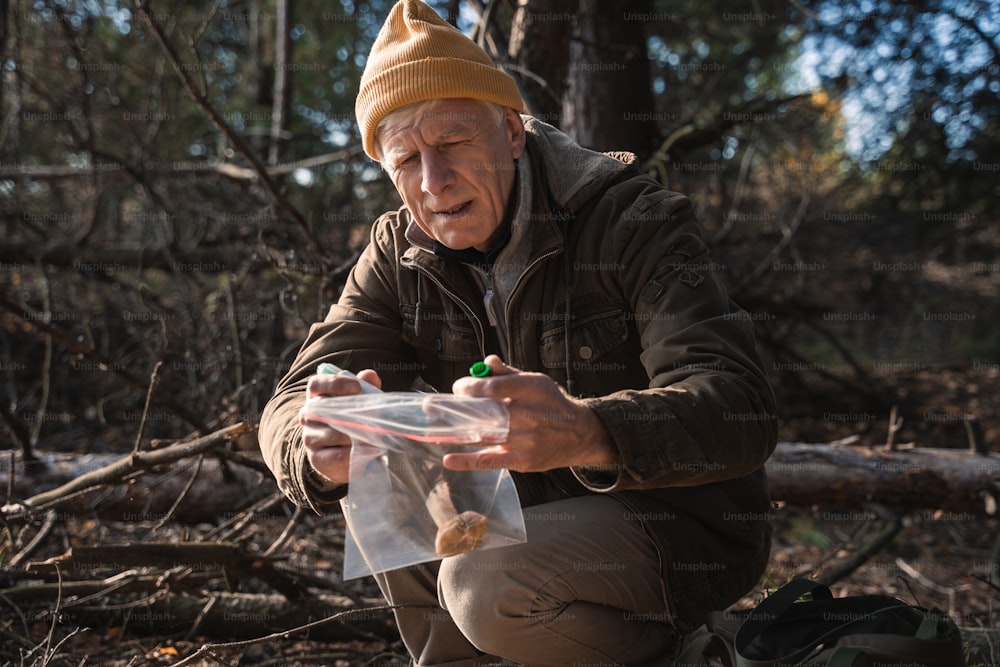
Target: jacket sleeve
(709, 413)
(362, 330)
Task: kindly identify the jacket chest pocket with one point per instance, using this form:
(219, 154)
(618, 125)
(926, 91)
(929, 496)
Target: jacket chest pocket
(597, 342)
(445, 334)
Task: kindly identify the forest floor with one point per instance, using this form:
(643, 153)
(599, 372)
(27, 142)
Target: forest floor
(939, 560)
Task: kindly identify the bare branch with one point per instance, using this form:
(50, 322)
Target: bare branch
(153, 377)
(169, 514)
(895, 423)
(207, 649)
(865, 553)
(43, 534)
(730, 220)
(139, 461)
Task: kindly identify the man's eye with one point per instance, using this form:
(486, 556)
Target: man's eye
(406, 162)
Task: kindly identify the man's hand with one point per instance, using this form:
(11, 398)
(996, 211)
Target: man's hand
(548, 428)
(328, 450)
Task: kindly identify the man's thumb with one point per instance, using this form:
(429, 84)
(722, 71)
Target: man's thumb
(498, 367)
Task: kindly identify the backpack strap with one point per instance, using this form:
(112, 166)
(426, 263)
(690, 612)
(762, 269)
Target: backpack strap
(725, 628)
(774, 607)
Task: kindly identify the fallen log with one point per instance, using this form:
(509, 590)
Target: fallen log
(800, 474)
(916, 478)
(222, 558)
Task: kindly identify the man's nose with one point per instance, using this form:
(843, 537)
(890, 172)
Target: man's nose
(436, 173)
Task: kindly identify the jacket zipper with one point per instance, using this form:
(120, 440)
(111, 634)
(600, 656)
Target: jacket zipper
(480, 332)
(528, 270)
(524, 275)
(488, 299)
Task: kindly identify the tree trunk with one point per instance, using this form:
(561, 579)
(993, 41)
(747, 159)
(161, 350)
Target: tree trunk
(282, 81)
(608, 94)
(10, 83)
(451, 12)
(539, 47)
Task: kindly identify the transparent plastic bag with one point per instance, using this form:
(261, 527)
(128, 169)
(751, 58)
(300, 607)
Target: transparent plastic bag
(403, 507)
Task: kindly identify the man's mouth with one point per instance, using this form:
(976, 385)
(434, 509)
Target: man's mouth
(455, 210)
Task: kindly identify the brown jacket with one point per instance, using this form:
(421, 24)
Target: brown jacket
(655, 347)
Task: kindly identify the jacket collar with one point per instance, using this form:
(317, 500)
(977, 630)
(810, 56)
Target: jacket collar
(573, 174)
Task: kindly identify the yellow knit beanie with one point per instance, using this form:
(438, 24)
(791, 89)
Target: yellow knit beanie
(419, 56)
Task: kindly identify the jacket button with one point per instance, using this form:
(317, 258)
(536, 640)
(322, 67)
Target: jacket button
(640, 464)
(585, 352)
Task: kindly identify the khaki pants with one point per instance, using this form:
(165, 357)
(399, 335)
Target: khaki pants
(584, 590)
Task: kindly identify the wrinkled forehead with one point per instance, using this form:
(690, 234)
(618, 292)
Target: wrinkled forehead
(434, 119)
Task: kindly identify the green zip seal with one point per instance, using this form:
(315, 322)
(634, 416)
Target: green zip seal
(479, 370)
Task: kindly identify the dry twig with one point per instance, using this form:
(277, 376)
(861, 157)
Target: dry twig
(47, 525)
(180, 497)
(895, 423)
(138, 461)
(153, 377)
(864, 554)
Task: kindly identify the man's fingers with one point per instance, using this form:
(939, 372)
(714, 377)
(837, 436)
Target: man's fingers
(515, 385)
(334, 463)
(316, 435)
(329, 450)
(327, 456)
(371, 377)
(491, 458)
(332, 385)
(484, 386)
(498, 367)
(322, 384)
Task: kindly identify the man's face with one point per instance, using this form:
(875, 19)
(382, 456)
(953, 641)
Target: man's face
(454, 170)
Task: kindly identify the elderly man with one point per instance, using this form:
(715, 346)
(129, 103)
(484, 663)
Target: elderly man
(640, 415)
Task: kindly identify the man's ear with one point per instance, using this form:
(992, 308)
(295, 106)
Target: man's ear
(514, 129)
